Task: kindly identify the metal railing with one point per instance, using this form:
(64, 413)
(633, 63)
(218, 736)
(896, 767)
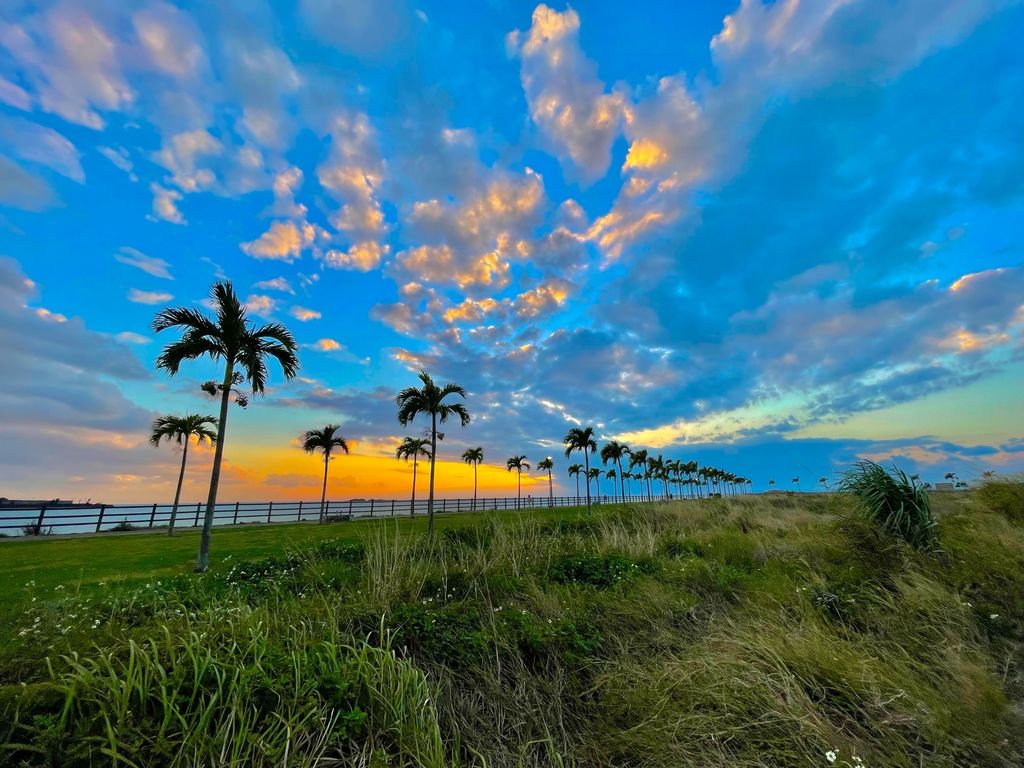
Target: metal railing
(63, 518)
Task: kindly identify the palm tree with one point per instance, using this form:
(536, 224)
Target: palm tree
(415, 447)
(547, 464)
(581, 439)
(611, 475)
(473, 456)
(430, 400)
(237, 342)
(518, 463)
(616, 451)
(639, 459)
(771, 483)
(324, 440)
(181, 429)
(796, 482)
(574, 470)
(823, 482)
(594, 474)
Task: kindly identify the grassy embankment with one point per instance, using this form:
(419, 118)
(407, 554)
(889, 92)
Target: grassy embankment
(760, 631)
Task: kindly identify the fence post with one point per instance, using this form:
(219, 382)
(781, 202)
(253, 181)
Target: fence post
(196, 523)
(392, 507)
(152, 516)
(371, 507)
(350, 508)
(270, 510)
(300, 510)
(39, 522)
(234, 520)
(99, 520)
(444, 505)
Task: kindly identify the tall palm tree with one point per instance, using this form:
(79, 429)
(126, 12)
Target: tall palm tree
(639, 459)
(243, 347)
(430, 401)
(574, 471)
(594, 473)
(414, 447)
(616, 451)
(547, 465)
(611, 474)
(181, 429)
(324, 440)
(518, 463)
(581, 439)
(473, 456)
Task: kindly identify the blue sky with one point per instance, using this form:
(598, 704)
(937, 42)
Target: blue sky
(774, 237)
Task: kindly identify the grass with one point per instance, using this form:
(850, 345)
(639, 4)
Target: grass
(760, 631)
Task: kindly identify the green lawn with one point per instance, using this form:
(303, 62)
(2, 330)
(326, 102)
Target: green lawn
(84, 562)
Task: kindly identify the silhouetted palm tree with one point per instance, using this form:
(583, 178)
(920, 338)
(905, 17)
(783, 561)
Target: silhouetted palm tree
(237, 342)
(518, 463)
(823, 482)
(430, 400)
(581, 439)
(473, 456)
(574, 471)
(181, 429)
(414, 447)
(594, 474)
(639, 459)
(548, 464)
(324, 440)
(616, 451)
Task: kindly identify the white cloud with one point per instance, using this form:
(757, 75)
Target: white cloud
(284, 241)
(42, 146)
(259, 304)
(71, 62)
(148, 264)
(276, 284)
(171, 40)
(361, 256)
(148, 297)
(165, 204)
(567, 101)
(130, 337)
(304, 314)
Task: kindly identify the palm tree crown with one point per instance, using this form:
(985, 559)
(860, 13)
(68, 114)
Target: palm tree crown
(324, 440)
(616, 451)
(473, 456)
(180, 429)
(230, 337)
(411, 447)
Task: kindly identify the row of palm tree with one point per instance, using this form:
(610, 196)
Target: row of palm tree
(245, 348)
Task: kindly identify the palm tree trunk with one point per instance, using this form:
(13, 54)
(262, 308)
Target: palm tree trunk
(177, 493)
(323, 491)
(519, 487)
(586, 460)
(412, 501)
(433, 459)
(203, 563)
(577, 487)
(622, 481)
(475, 465)
(551, 490)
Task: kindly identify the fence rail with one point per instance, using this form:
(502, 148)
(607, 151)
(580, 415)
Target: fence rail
(97, 518)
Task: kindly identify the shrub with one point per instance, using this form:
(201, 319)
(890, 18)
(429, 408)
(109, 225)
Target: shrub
(35, 529)
(124, 525)
(1004, 496)
(892, 501)
(597, 570)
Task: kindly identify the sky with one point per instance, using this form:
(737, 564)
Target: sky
(774, 237)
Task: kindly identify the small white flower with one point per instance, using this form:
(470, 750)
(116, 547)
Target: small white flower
(831, 755)
(993, 616)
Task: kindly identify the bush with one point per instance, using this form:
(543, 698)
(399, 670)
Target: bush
(35, 529)
(1004, 496)
(124, 525)
(597, 570)
(893, 501)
